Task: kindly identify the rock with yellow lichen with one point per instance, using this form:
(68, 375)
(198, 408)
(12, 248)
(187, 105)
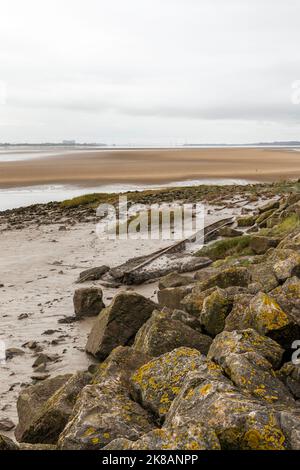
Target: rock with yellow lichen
(233, 276)
(156, 384)
(288, 297)
(117, 324)
(253, 375)
(268, 318)
(239, 317)
(161, 333)
(289, 374)
(121, 362)
(193, 302)
(263, 275)
(103, 412)
(55, 413)
(215, 309)
(190, 437)
(286, 263)
(239, 422)
(244, 341)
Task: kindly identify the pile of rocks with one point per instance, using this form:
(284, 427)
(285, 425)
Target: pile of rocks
(209, 366)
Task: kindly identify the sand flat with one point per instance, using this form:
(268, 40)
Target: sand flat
(86, 168)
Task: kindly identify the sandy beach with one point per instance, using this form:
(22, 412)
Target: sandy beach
(48, 262)
(89, 168)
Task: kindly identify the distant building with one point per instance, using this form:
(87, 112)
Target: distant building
(69, 142)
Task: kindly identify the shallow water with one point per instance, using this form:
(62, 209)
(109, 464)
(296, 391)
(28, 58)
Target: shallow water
(25, 196)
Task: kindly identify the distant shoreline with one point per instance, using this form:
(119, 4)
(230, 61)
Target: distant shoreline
(151, 166)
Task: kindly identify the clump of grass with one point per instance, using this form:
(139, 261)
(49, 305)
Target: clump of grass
(238, 246)
(89, 200)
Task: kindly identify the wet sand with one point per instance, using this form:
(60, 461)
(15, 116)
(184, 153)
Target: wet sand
(89, 168)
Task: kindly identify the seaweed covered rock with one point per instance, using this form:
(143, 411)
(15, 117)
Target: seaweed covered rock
(240, 423)
(117, 324)
(244, 341)
(32, 399)
(55, 413)
(156, 384)
(246, 221)
(228, 232)
(190, 437)
(88, 301)
(161, 334)
(104, 412)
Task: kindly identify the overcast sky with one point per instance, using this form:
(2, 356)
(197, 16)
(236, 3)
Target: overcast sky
(149, 71)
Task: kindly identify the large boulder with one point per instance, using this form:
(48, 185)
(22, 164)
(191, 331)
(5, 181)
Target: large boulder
(156, 384)
(244, 341)
(240, 423)
(262, 274)
(288, 297)
(55, 413)
(171, 297)
(286, 263)
(88, 301)
(239, 318)
(254, 375)
(272, 205)
(173, 280)
(193, 302)
(246, 221)
(118, 324)
(104, 412)
(192, 437)
(161, 334)
(260, 245)
(215, 309)
(32, 399)
(123, 361)
(268, 318)
(233, 276)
